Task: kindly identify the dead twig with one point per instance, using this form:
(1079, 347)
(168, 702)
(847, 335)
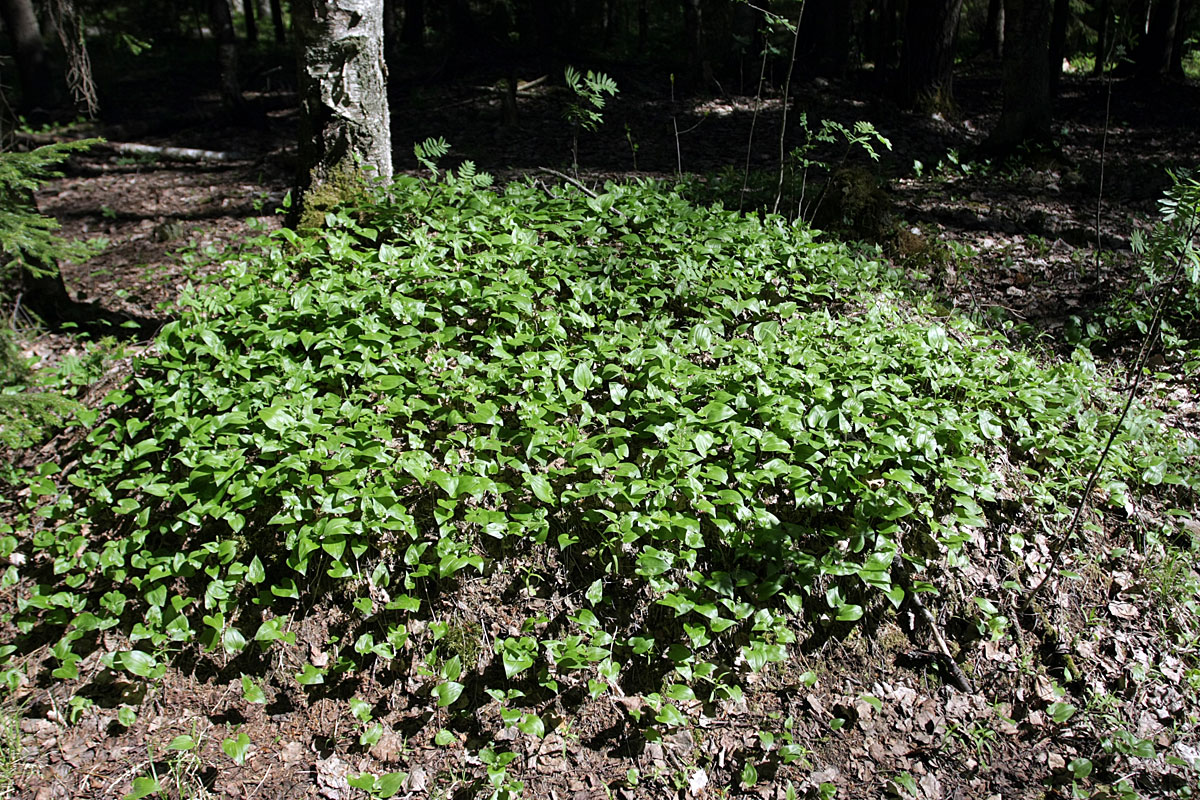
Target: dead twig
(564, 176)
(957, 676)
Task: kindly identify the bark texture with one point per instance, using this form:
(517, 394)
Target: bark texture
(343, 92)
(927, 65)
(33, 71)
(221, 20)
(1026, 113)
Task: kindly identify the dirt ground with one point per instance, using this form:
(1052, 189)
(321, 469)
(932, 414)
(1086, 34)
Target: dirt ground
(873, 713)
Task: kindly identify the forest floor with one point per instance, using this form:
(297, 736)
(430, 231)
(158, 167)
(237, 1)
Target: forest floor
(1008, 244)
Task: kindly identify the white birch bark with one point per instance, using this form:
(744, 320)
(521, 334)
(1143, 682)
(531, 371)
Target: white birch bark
(343, 88)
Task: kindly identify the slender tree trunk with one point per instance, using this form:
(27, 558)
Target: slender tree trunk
(1154, 51)
(927, 63)
(227, 57)
(345, 124)
(611, 22)
(277, 21)
(745, 39)
(1058, 41)
(1026, 113)
(248, 10)
(993, 29)
(1103, 36)
(881, 41)
(1180, 44)
(33, 70)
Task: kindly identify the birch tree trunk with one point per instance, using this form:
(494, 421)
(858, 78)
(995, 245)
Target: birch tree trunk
(343, 94)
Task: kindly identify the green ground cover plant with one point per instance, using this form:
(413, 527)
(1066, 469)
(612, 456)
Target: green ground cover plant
(724, 430)
(1171, 275)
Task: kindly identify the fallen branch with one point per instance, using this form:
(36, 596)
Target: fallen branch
(172, 153)
(521, 86)
(957, 676)
(564, 176)
(135, 149)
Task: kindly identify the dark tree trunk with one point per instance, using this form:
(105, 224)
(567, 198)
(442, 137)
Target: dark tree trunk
(993, 29)
(882, 35)
(1026, 113)
(251, 22)
(1103, 36)
(33, 70)
(825, 37)
(643, 29)
(1180, 44)
(610, 22)
(413, 32)
(277, 21)
(1154, 51)
(1058, 41)
(345, 125)
(927, 64)
(746, 41)
(693, 38)
(227, 57)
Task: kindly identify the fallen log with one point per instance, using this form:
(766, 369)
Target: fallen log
(171, 153)
(136, 149)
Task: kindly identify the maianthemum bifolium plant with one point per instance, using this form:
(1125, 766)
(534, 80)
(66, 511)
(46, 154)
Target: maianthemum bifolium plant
(718, 417)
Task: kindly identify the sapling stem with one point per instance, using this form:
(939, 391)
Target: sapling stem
(787, 88)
